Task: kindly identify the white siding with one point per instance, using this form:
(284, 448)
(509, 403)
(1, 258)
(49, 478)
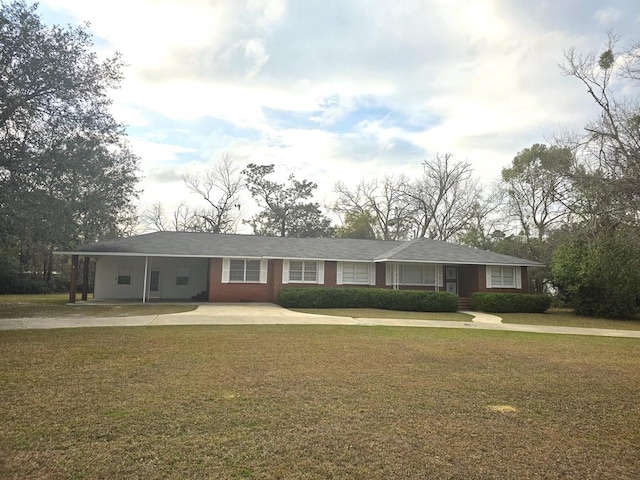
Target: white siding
(107, 269)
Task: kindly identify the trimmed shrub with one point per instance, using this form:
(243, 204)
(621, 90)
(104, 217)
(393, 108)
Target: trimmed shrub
(510, 302)
(338, 297)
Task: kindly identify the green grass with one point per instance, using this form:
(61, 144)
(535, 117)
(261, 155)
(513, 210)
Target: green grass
(379, 313)
(55, 305)
(317, 402)
(566, 318)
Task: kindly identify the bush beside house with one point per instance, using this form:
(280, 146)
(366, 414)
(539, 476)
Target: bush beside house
(405, 300)
(510, 302)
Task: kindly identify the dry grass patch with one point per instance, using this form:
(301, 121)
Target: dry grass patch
(316, 402)
(502, 408)
(566, 318)
(55, 305)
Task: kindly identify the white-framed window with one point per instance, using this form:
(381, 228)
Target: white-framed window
(503, 277)
(124, 275)
(356, 273)
(244, 270)
(182, 276)
(302, 271)
(414, 274)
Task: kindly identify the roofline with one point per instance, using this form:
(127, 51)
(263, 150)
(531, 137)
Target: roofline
(167, 255)
(269, 257)
(446, 262)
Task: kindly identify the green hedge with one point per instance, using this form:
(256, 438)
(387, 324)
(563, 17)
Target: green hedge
(339, 297)
(510, 302)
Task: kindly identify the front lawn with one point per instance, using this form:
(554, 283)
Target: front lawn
(55, 305)
(566, 318)
(317, 402)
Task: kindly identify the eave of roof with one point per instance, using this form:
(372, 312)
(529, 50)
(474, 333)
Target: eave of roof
(207, 245)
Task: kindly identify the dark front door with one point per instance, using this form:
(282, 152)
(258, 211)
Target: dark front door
(154, 282)
(451, 278)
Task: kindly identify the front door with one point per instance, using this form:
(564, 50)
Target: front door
(154, 283)
(451, 278)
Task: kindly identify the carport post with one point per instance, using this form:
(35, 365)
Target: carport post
(85, 278)
(144, 285)
(73, 286)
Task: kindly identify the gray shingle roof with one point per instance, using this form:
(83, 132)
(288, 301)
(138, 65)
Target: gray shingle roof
(181, 244)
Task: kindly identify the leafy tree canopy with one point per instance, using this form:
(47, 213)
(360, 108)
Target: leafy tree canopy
(357, 225)
(284, 210)
(67, 175)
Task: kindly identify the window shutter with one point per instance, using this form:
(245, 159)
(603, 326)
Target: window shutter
(389, 274)
(321, 273)
(225, 270)
(439, 275)
(372, 274)
(264, 266)
(488, 270)
(285, 271)
(339, 274)
(518, 276)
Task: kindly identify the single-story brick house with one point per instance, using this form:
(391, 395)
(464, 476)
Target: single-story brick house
(249, 268)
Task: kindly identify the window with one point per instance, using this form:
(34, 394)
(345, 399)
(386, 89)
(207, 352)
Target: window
(414, 274)
(357, 273)
(182, 276)
(417, 274)
(124, 275)
(303, 271)
(503, 277)
(244, 271)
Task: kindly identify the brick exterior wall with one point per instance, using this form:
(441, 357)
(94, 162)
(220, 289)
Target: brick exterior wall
(471, 278)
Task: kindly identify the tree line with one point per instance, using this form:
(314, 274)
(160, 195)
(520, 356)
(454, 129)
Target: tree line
(68, 176)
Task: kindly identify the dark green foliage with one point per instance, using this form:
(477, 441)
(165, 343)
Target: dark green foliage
(13, 280)
(67, 175)
(600, 276)
(357, 225)
(405, 300)
(510, 302)
(284, 210)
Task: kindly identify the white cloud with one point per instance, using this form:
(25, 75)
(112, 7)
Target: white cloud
(606, 17)
(481, 76)
(256, 55)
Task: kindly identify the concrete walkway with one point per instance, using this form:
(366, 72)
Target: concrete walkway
(270, 314)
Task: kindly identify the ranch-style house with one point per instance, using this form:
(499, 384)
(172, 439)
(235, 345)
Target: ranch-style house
(249, 268)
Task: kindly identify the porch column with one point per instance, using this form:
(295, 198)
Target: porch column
(73, 286)
(395, 276)
(85, 278)
(144, 285)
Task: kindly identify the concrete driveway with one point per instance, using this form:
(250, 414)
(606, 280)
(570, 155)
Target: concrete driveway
(271, 314)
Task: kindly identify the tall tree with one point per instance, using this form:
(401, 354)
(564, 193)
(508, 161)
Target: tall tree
(538, 188)
(284, 210)
(357, 225)
(220, 188)
(596, 266)
(609, 151)
(446, 198)
(384, 200)
(67, 175)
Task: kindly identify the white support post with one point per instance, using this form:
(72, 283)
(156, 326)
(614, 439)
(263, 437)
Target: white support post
(395, 276)
(144, 285)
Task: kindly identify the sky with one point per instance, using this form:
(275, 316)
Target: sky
(346, 90)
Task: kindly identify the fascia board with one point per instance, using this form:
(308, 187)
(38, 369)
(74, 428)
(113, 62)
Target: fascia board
(446, 262)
